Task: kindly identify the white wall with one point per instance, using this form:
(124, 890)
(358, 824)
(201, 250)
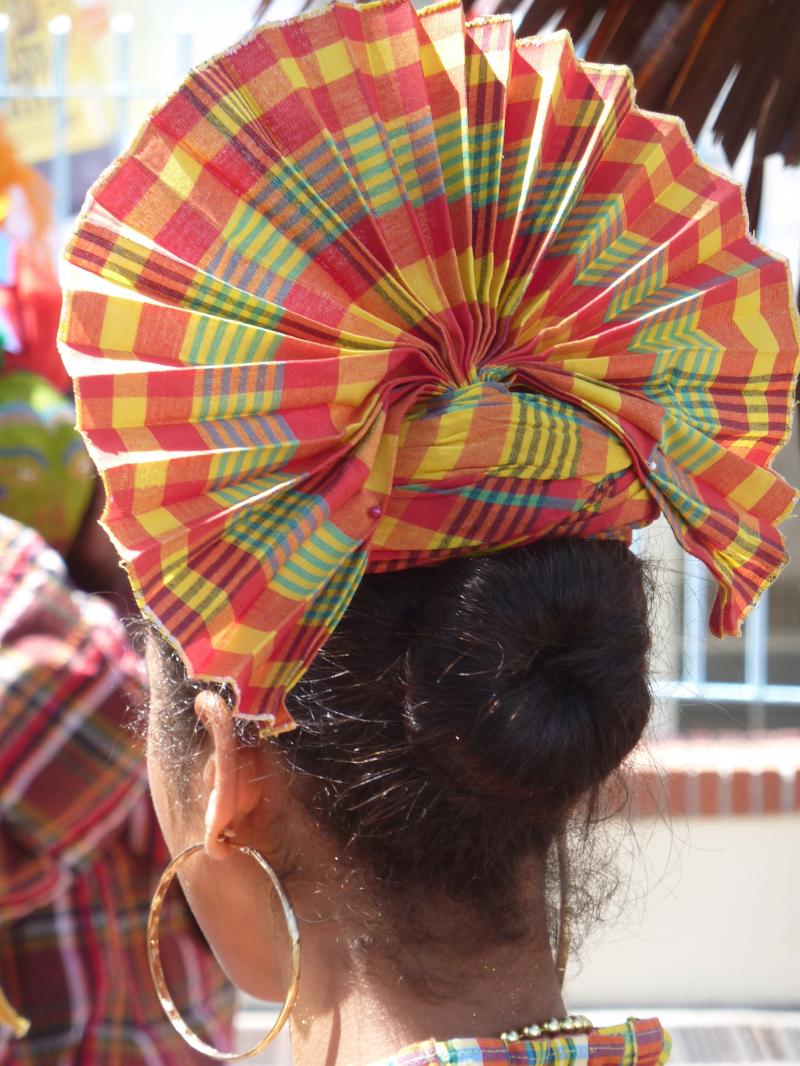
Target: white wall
(712, 918)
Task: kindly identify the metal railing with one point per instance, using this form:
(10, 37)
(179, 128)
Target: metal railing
(754, 695)
(755, 687)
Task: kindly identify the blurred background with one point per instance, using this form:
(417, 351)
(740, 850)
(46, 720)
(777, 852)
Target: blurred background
(705, 927)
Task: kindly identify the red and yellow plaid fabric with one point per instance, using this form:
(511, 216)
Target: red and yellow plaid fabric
(80, 848)
(642, 1042)
(377, 287)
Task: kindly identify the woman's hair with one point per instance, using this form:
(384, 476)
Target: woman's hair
(459, 713)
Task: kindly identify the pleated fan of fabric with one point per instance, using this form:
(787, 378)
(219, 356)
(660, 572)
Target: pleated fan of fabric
(378, 287)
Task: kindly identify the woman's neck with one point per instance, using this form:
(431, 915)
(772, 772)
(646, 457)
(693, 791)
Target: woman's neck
(356, 1014)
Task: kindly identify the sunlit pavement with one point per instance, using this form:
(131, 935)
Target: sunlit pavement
(721, 1037)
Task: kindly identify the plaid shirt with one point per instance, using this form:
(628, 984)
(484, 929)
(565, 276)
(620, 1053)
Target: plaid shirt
(80, 849)
(642, 1042)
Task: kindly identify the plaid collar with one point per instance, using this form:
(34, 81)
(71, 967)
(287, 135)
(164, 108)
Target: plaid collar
(645, 1043)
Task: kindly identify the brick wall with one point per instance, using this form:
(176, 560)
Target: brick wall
(718, 774)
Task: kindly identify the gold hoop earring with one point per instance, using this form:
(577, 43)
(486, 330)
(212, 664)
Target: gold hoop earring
(18, 1025)
(157, 970)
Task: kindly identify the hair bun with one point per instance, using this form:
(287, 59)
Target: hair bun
(527, 680)
(459, 711)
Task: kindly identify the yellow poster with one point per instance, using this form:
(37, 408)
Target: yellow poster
(30, 65)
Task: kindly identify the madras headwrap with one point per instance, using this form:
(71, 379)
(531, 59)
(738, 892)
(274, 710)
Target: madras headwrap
(378, 287)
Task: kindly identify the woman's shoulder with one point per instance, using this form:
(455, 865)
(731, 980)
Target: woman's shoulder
(644, 1042)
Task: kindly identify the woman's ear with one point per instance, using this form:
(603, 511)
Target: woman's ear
(235, 783)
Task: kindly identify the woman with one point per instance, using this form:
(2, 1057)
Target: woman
(380, 291)
(445, 734)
